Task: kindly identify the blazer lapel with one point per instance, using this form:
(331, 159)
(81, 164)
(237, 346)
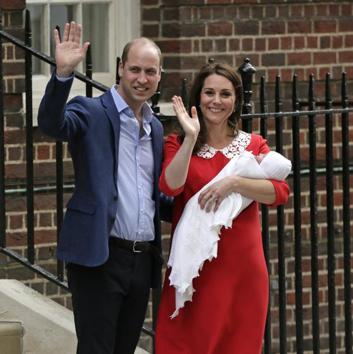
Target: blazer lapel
(113, 116)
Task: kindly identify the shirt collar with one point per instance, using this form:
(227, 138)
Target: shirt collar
(122, 106)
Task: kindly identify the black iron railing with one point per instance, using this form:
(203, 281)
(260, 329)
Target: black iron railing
(308, 168)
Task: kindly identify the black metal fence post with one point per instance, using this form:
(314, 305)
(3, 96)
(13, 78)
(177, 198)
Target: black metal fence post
(247, 72)
(280, 231)
(2, 151)
(297, 217)
(265, 223)
(29, 141)
(313, 220)
(346, 220)
(330, 217)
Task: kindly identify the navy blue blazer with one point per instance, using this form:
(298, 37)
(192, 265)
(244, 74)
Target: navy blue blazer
(92, 126)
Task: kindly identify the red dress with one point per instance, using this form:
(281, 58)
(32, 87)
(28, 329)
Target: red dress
(228, 311)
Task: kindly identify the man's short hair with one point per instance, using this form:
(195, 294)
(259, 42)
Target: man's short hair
(142, 40)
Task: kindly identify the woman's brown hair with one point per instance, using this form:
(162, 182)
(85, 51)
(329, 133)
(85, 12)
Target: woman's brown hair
(229, 73)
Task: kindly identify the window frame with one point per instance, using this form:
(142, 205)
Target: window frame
(124, 25)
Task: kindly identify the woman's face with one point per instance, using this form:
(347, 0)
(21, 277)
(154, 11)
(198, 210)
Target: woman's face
(217, 100)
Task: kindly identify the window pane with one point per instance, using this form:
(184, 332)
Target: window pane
(38, 38)
(59, 15)
(95, 30)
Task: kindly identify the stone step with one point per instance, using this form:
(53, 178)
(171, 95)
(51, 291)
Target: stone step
(48, 326)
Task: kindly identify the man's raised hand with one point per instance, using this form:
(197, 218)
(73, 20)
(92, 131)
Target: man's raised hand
(68, 51)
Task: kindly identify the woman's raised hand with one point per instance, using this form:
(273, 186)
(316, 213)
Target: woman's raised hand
(68, 51)
(190, 125)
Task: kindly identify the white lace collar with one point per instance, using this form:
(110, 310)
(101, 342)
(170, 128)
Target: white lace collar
(236, 147)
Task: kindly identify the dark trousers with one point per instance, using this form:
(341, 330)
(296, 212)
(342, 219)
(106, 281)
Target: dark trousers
(109, 302)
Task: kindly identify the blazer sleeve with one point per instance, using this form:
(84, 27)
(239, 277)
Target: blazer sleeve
(56, 118)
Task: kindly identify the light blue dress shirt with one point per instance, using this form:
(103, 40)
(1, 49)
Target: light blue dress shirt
(135, 213)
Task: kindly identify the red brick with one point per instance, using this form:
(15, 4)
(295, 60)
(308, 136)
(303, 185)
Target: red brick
(277, 59)
(207, 45)
(149, 2)
(231, 13)
(16, 222)
(325, 42)
(12, 4)
(348, 42)
(347, 9)
(14, 153)
(311, 42)
(257, 12)
(273, 27)
(151, 31)
(287, 75)
(345, 25)
(273, 43)
(170, 14)
(270, 11)
(196, 46)
(299, 26)
(12, 103)
(242, 1)
(186, 2)
(324, 58)
(247, 27)
(218, 2)
(43, 152)
(205, 13)
(345, 56)
(220, 29)
(325, 26)
(192, 30)
(260, 44)
(247, 44)
(296, 10)
(309, 11)
(185, 13)
(221, 45)
(283, 11)
(286, 43)
(193, 62)
(171, 30)
(234, 44)
(152, 14)
(334, 9)
(45, 220)
(171, 62)
(322, 10)
(298, 59)
(218, 13)
(244, 11)
(175, 46)
(224, 58)
(299, 42)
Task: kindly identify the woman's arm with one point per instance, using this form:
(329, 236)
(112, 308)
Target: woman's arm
(176, 171)
(260, 190)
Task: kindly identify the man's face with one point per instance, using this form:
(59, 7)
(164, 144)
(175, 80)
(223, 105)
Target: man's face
(140, 74)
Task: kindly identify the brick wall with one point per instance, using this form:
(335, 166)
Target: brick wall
(280, 38)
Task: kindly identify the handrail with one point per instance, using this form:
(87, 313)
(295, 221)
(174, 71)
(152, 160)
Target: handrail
(51, 61)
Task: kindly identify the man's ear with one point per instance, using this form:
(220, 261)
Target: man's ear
(120, 70)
